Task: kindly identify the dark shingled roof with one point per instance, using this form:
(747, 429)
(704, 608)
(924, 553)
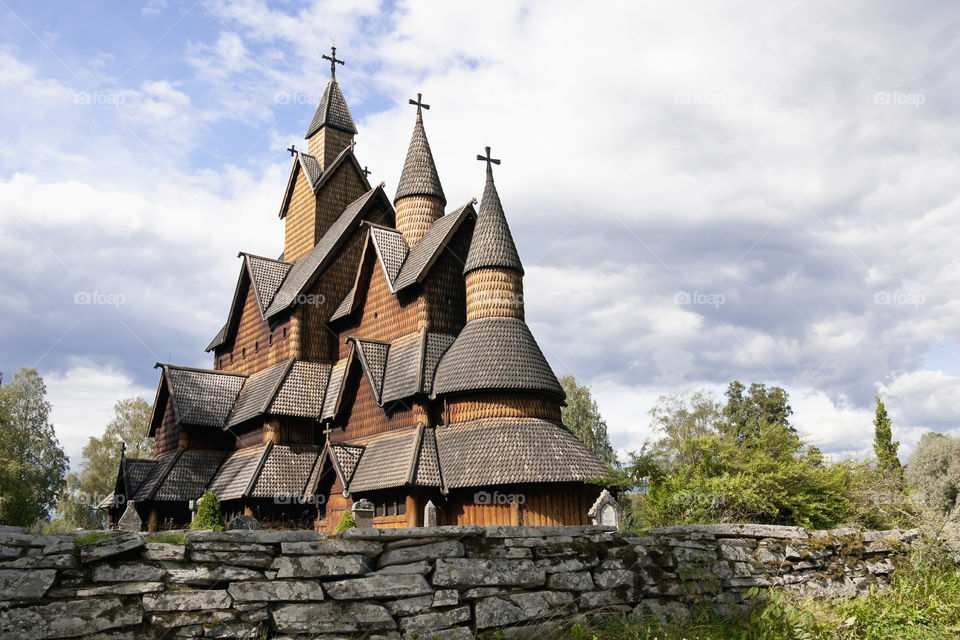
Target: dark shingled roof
(311, 167)
(419, 176)
(493, 451)
(427, 470)
(495, 353)
(189, 475)
(334, 387)
(403, 369)
(233, 480)
(425, 253)
(332, 112)
(347, 457)
(373, 357)
(218, 339)
(392, 250)
(202, 397)
(385, 463)
(345, 306)
(286, 472)
(156, 475)
(411, 362)
(492, 244)
(132, 472)
(309, 265)
(257, 392)
(301, 393)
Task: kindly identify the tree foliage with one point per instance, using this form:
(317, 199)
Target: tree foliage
(32, 463)
(100, 459)
(208, 516)
(883, 445)
(741, 461)
(582, 417)
(933, 471)
(346, 522)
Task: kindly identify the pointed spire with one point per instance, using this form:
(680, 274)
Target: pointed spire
(332, 111)
(492, 244)
(419, 176)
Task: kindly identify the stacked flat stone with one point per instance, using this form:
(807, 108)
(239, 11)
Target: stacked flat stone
(435, 582)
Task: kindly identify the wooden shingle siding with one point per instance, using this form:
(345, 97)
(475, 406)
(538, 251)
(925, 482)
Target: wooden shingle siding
(342, 188)
(363, 416)
(384, 316)
(168, 435)
(503, 405)
(442, 307)
(326, 144)
(494, 293)
(415, 215)
(300, 225)
(252, 349)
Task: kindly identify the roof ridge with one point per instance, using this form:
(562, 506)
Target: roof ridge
(197, 370)
(259, 257)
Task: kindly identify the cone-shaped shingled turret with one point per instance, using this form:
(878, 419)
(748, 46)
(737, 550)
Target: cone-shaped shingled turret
(419, 176)
(420, 200)
(492, 244)
(332, 128)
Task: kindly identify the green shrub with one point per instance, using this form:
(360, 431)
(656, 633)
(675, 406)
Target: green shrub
(208, 516)
(346, 522)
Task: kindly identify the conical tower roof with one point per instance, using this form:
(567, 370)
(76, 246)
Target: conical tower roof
(419, 176)
(492, 244)
(332, 111)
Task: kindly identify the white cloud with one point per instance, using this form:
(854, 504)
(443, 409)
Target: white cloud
(83, 397)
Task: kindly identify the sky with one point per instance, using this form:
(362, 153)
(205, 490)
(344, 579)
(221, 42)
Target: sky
(700, 191)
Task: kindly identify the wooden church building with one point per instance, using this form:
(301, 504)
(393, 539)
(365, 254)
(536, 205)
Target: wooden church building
(383, 356)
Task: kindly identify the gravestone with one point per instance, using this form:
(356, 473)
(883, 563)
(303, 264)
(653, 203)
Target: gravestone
(130, 520)
(363, 513)
(605, 511)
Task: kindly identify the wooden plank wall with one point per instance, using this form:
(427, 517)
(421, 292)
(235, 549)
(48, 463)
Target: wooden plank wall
(255, 346)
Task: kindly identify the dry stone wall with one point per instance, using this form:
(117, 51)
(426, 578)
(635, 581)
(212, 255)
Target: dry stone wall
(438, 582)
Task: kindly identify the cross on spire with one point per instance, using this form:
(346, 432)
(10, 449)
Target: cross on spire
(489, 160)
(293, 150)
(419, 102)
(366, 171)
(334, 61)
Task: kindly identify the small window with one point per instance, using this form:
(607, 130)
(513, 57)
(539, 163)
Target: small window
(256, 346)
(379, 511)
(402, 508)
(231, 357)
(243, 353)
(271, 340)
(391, 509)
(284, 333)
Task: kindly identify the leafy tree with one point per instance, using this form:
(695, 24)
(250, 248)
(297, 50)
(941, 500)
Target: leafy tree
(582, 417)
(933, 471)
(740, 462)
(32, 463)
(99, 463)
(883, 445)
(208, 516)
(747, 414)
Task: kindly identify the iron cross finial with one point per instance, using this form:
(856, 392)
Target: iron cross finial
(366, 172)
(419, 102)
(334, 61)
(488, 159)
(292, 150)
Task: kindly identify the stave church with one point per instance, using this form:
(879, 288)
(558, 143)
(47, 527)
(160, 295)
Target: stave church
(384, 357)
